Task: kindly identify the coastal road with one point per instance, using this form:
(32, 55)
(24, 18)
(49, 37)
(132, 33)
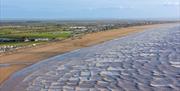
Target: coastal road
(145, 61)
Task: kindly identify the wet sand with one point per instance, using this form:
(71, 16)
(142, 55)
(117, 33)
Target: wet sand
(26, 57)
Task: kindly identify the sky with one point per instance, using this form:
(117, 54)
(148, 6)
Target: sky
(89, 9)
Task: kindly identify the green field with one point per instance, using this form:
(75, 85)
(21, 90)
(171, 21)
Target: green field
(19, 32)
(41, 32)
(50, 35)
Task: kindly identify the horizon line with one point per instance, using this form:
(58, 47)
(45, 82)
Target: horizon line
(74, 19)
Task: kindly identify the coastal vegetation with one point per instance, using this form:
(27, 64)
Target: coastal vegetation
(27, 35)
(17, 34)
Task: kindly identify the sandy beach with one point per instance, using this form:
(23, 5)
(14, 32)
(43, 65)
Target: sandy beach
(22, 58)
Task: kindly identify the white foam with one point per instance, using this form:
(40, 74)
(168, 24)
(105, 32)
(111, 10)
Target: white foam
(159, 85)
(176, 65)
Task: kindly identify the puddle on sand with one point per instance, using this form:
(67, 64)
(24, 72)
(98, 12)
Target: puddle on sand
(10, 64)
(4, 65)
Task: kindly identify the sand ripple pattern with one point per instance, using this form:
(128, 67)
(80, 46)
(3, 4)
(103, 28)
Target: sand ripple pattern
(147, 61)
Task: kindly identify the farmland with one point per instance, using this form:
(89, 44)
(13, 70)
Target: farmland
(33, 32)
(28, 35)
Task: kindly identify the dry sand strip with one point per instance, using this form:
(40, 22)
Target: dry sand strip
(35, 54)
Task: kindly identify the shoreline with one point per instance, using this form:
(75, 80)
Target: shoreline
(23, 58)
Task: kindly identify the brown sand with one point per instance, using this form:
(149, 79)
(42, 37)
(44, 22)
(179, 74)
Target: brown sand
(35, 54)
